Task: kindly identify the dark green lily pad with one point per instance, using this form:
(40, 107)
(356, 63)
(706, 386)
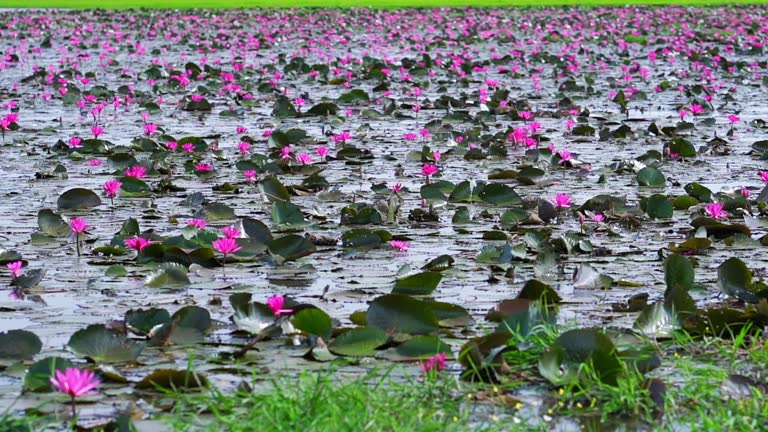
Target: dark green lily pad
(418, 284)
(142, 321)
(38, 376)
(401, 313)
(358, 342)
(650, 177)
(735, 279)
(78, 199)
(100, 344)
(563, 363)
(51, 223)
(19, 345)
(169, 275)
(273, 190)
(314, 321)
(290, 248)
(173, 379)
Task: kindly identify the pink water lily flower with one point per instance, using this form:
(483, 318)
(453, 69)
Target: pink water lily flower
(203, 168)
(136, 171)
(277, 304)
(715, 211)
(250, 175)
(75, 141)
(562, 201)
(137, 243)
(111, 187)
(197, 223)
(225, 246)
(400, 245)
(74, 382)
(304, 158)
(322, 151)
(397, 187)
(96, 131)
(230, 232)
(150, 129)
(188, 147)
(429, 169)
(15, 268)
(436, 363)
(764, 176)
(78, 225)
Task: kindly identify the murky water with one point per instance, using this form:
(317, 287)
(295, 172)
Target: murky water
(76, 292)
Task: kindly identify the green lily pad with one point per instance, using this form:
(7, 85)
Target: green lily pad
(169, 275)
(142, 321)
(273, 190)
(360, 238)
(100, 344)
(314, 321)
(650, 177)
(173, 379)
(500, 194)
(38, 376)
(51, 223)
(696, 190)
(421, 347)
(19, 345)
(287, 213)
(78, 199)
(539, 291)
(401, 313)
(678, 273)
(658, 206)
(418, 284)
(735, 279)
(290, 248)
(563, 363)
(358, 342)
(252, 317)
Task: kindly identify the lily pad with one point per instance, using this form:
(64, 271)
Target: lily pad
(358, 342)
(735, 280)
(290, 248)
(19, 345)
(100, 344)
(563, 363)
(401, 313)
(78, 199)
(418, 284)
(38, 376)
(650, 177)
(314, 321)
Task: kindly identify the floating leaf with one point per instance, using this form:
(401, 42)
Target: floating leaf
(358, 342)
(142, 321)
(500, 194)
(273, 190)
(170, 275)
(78, 199)
(401, 313)
(313, 321)
(290, 248)
(678, 273)
(735, 280)
(422, 347)
(650, 177)
(418, 284)
(287, 213)
(252, 317)
(19, 345)
(563, 362)
(539, 291)
(51, 223)
(100, 344)
(659, 207)
(171, 379)
(38, 376)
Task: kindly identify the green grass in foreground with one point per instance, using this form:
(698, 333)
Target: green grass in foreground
(185, 4)
(317, 401)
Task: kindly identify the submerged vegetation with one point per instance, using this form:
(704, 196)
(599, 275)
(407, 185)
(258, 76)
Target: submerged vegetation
(442, 219)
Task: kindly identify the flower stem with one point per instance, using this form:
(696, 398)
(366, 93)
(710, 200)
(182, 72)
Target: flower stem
(77, 245)
(74, 409)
